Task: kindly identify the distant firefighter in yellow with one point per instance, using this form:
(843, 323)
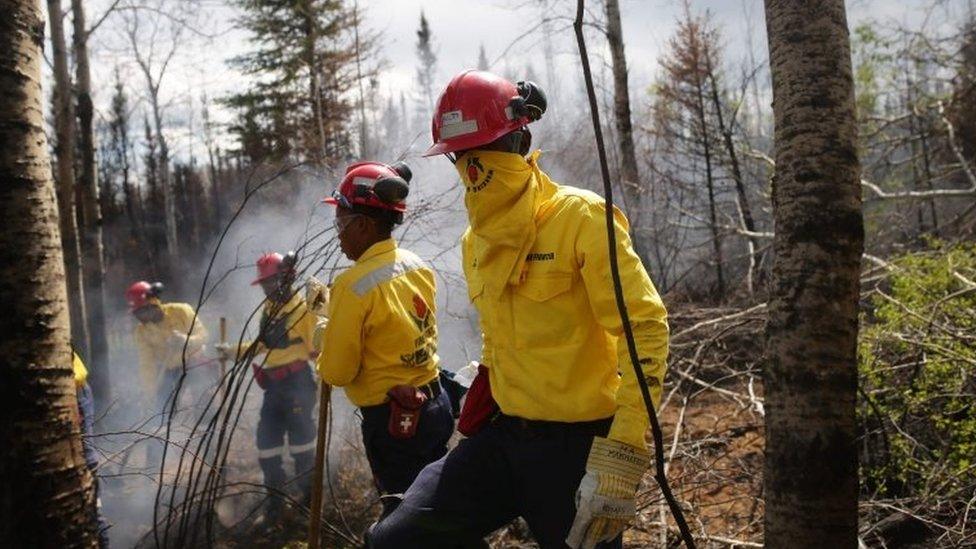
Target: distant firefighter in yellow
(161, 334)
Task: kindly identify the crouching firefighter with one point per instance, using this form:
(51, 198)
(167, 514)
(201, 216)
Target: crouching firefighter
(286, 341)
(161, 334)
(555, 419)
(380, 343)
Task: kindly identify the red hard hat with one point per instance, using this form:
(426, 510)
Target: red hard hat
(139, 294)
(478, 107)
(373, 184)
(268, 265)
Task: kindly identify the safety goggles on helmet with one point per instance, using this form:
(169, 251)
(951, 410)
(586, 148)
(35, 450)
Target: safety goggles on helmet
(374, 185)
(339, 199)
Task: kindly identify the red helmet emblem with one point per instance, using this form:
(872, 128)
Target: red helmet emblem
(474, 170)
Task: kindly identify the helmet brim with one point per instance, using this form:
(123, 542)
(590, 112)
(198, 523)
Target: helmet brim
(261, 279)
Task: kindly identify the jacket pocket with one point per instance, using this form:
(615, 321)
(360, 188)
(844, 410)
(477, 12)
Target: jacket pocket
(544, 311)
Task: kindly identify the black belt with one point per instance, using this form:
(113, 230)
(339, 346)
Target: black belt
(598, 427)
(432, 389)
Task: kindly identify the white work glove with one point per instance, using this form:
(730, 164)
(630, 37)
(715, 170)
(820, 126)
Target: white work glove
(177, 339)
(605, 500)
(317, 297)
(224, 351)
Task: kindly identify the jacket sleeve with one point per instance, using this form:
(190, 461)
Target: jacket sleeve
(342, 341)
(648, 318)
(475, 288)
(196, 331)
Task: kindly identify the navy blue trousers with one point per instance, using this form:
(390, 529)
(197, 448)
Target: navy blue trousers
(395, 463)
(287, 409)
(511, 468)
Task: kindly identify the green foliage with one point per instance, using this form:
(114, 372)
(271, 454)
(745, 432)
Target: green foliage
(871, 58)
(918, 375)
(299, 71)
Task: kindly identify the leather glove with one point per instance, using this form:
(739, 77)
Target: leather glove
(224, 351)
(317, 297)
(605, 500)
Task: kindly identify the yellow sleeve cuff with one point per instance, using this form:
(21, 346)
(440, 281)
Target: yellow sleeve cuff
(629, 427)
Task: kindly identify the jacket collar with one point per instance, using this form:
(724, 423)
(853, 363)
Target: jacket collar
(380, 248)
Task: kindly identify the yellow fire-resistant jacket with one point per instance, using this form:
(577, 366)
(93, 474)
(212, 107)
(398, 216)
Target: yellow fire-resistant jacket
(288, 333)
(554, 343)
(160, 350)
(381, 331)
(78, 367)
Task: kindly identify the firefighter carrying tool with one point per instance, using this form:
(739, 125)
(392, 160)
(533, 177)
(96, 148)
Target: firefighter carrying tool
(161, 334)
(285, 339)
(380, 343)
(563, 446)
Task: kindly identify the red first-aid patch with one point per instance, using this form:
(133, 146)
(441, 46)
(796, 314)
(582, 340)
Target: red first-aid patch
(419, 306)
(472, 173)
(406, 403)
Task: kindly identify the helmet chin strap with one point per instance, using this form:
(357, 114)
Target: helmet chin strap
(517, 142)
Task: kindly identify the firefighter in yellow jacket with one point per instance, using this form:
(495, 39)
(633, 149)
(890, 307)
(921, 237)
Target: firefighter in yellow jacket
(559, 425)
(380, 343)
(286, 345)
(162, 332)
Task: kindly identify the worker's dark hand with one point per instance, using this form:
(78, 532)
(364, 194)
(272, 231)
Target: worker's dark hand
(605, 500)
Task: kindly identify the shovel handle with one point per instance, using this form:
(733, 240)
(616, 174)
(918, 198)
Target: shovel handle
(318, 474)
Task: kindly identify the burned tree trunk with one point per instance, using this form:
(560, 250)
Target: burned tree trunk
(725, 128)
(91, 228)
(629, 174)
(629, 171)
(64, 150)
(811, 484)
(46, 499)
(702, 115)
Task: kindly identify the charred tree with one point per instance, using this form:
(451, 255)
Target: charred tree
(629, 174)
(47, 497)
(725, 128)
(91, 214)
(64, 151)
(811, 482)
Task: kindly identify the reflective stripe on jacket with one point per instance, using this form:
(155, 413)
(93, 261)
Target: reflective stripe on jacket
(553, 343)
(382, 329)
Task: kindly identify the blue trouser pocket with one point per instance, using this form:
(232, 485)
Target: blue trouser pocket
(394, 462)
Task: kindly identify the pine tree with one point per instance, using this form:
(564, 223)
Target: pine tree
(296, 106)
(483, 63)
(116, 156)
(685, 119)
(427, 64)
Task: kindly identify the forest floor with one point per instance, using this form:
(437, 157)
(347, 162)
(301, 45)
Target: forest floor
(715, 470)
